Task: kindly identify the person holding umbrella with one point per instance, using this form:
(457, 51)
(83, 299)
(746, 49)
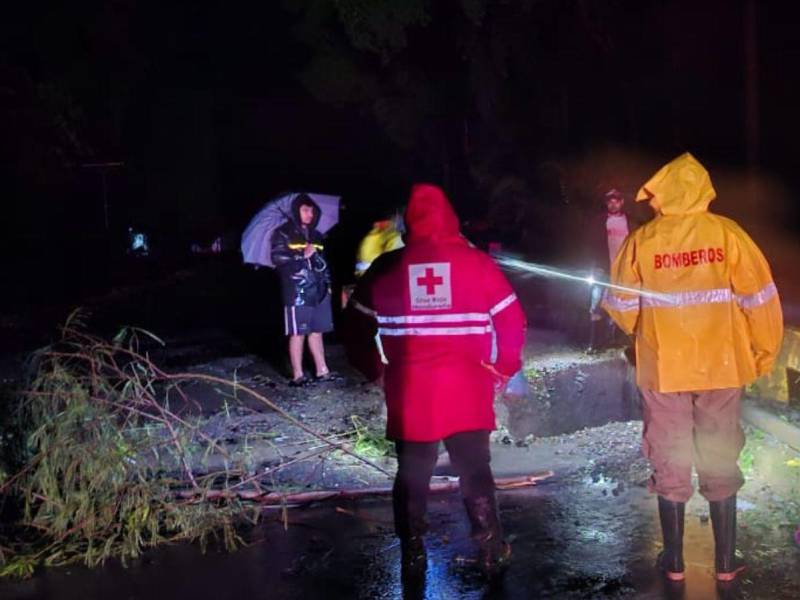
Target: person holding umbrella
(297, 253)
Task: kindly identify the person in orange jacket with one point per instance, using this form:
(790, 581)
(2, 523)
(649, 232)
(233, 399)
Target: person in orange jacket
(707, 321)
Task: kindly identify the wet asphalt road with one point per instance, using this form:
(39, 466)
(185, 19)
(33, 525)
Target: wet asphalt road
(580, 538)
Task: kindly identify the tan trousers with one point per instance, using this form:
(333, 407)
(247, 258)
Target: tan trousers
(700, 428)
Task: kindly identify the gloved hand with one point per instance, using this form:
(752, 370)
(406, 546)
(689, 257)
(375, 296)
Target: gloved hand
(517, 386)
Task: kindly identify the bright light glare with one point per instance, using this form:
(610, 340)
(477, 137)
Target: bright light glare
(544, 271)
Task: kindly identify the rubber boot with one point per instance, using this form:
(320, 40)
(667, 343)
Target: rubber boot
(412, 581)
(413, 566)
(411, 532)
(671, 515)
(410, 526)
(494, 554)
(723, 521)
(412, 551)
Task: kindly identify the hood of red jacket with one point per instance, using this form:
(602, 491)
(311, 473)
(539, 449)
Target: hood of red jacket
(430, 215)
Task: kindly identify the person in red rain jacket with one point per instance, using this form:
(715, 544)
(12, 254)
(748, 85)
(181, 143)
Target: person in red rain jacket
(449, 328)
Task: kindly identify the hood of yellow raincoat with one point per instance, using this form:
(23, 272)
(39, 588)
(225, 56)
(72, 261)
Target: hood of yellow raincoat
(680, 187)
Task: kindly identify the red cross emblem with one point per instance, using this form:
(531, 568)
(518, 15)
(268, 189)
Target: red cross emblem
(430, 281)
(429, 286)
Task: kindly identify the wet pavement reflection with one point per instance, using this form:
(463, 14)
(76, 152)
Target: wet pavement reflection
(581, 539)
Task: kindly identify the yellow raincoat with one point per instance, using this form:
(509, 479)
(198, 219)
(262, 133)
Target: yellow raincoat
(708, 315)
(383, 237)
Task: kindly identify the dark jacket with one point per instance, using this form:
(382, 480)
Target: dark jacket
(304, 281)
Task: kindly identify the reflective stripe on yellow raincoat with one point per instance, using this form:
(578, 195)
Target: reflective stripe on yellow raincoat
(708, 314)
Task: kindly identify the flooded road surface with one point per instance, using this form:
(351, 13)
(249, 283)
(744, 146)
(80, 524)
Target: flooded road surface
(578, 538)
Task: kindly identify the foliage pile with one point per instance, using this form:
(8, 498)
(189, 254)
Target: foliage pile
(105, 454)
(368, 442)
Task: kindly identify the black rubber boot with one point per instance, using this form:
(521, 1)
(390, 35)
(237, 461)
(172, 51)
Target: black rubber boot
(494, 554)
(723, 521)
(410, 525)
(412, 551)
(671, 515)
(411, 531)
(413, 566)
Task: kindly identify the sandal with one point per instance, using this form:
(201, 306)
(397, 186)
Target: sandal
(300, 382)
(329, 376)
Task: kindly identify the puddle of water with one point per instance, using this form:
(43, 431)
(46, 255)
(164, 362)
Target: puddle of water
(569, 540)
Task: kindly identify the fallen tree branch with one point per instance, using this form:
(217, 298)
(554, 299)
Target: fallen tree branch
(286, 416)
(273, 498)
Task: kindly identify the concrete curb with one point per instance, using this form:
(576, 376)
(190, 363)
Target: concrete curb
(758, 417)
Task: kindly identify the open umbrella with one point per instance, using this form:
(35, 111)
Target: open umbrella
(257, 237)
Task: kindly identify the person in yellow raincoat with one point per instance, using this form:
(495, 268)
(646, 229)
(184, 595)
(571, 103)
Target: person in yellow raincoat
(707, 320)
(384, 236)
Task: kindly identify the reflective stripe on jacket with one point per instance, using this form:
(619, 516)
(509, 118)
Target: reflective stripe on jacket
(441, 310)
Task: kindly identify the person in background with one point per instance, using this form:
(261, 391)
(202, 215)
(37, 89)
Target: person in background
(707, 322)
(608, 231)
(436, 306)
(386, 235)
(297, 252)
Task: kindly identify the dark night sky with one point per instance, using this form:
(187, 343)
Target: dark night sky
(209, 106)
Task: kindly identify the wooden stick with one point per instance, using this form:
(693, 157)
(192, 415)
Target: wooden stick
(436, 487)
(293, 420)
